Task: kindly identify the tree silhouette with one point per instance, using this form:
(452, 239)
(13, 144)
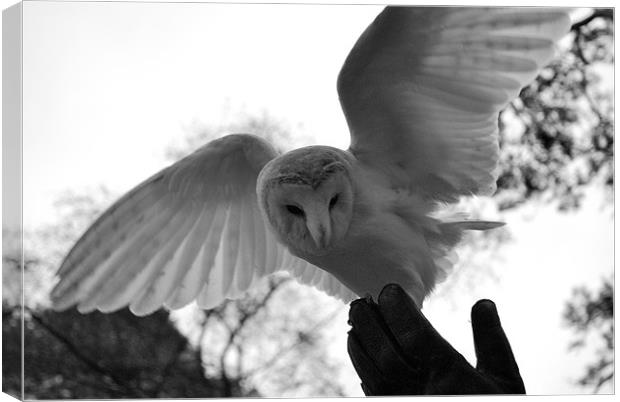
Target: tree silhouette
(590, 315)
(94, 356)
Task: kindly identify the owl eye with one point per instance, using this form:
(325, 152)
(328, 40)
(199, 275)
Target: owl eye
(333, 201)
(295, 210)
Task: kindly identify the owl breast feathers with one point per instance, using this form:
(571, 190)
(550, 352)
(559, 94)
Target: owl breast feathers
(421, 91)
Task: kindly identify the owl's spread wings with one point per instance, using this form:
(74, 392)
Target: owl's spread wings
(193, 231)
(422, 89)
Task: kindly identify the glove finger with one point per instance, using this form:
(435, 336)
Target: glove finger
(375, 338)
(414, 333)
(493, 350)
(367, 371)
(376, 382)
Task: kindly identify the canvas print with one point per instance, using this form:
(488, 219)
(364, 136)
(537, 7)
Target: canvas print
(207, 200)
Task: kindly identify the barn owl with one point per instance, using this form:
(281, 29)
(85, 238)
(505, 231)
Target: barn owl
(421, 91)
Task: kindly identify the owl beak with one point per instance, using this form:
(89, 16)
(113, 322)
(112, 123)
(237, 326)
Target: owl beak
(320, 231)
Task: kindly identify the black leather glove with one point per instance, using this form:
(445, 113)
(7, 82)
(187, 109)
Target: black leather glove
(396, 351)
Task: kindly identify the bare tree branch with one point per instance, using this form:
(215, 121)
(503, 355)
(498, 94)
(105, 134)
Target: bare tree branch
(284, 351)
(247, 314)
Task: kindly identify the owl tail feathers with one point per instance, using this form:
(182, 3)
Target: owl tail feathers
(471, 225)
(450, 219)
(450, 232)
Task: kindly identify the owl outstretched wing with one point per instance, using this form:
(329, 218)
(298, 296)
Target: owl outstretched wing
(193, 231)
(423, 87)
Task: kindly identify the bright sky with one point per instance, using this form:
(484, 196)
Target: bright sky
(108, 86)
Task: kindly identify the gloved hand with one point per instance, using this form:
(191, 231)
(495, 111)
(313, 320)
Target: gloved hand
(396, 351)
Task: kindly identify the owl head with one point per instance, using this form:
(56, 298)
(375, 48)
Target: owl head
(306, 197)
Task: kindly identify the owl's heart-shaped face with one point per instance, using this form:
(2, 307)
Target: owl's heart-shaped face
(308, 212)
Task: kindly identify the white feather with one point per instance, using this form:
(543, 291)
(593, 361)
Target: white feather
(420, 80)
